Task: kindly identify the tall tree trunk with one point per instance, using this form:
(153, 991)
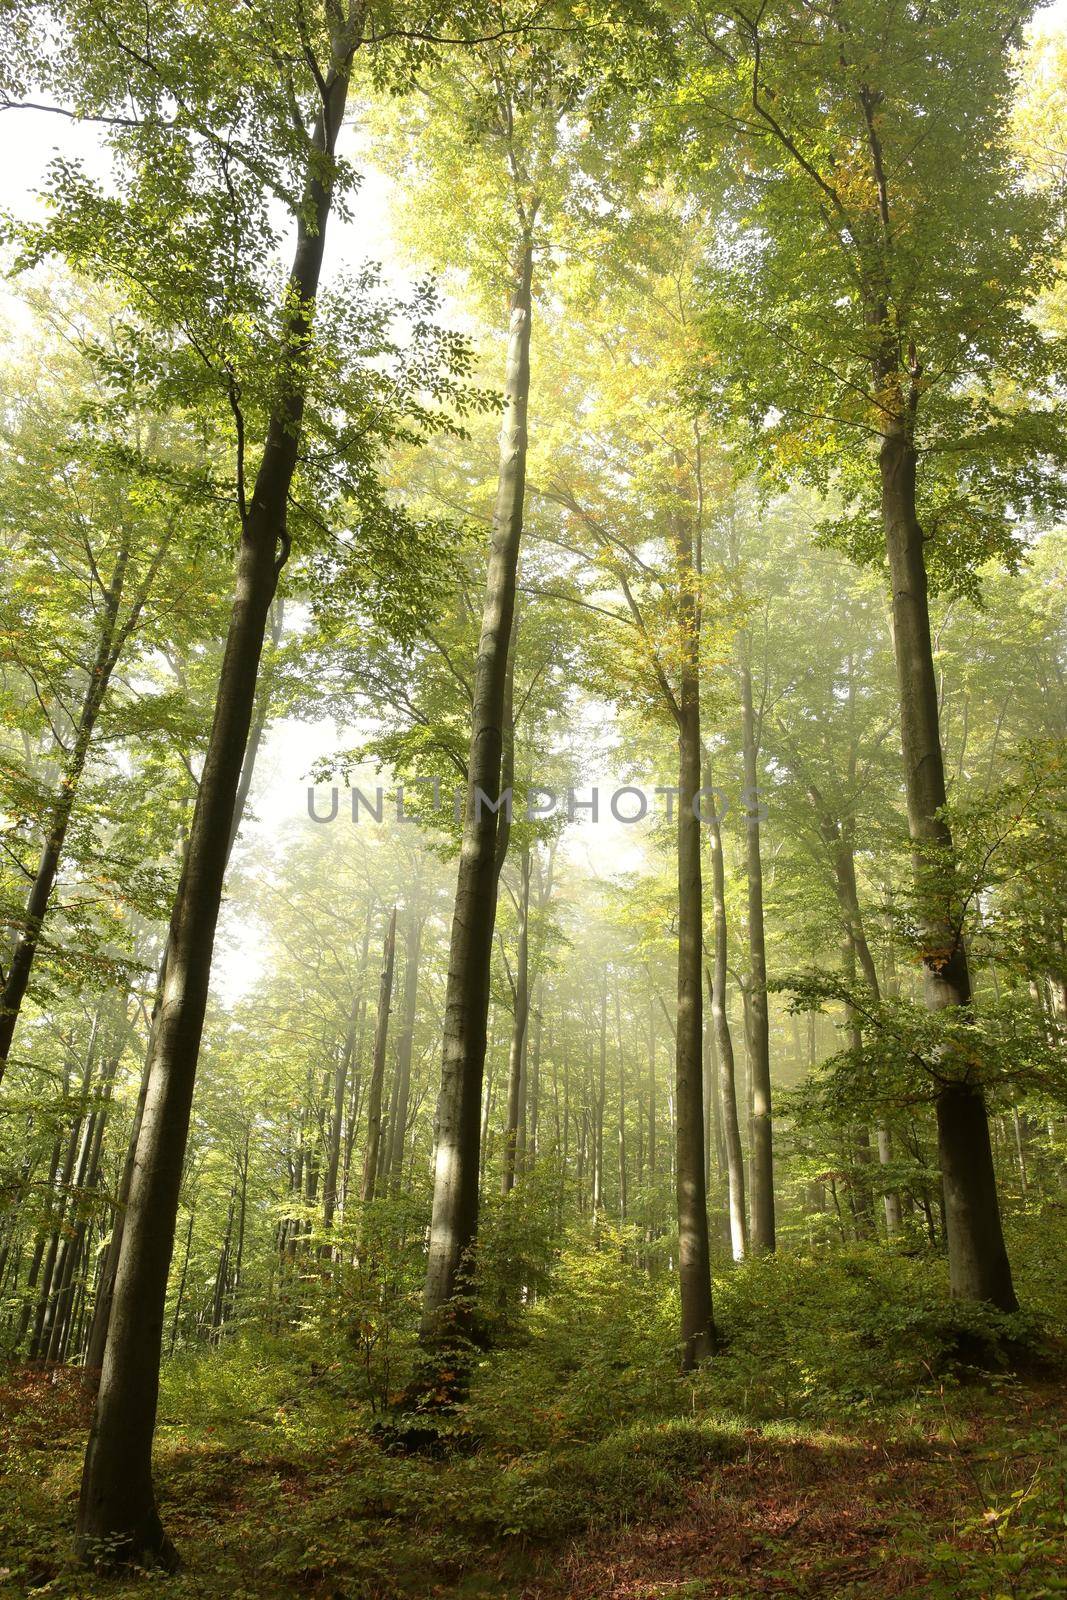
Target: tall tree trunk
(534, 1134)
(84, 1182)
(340, 1083)
(454, 1219)
(59, 1202)
(222, 1273)
(694, 1252)
(517, 1051)
(652, 1090)
(180, 1296)
(735, 1159)
(623, 1173)
(839, 839)
(377, 1077)
(977, 1257)
(260, 719)
(105, 1288)
(42, 1233)
(600, 1101)
(356, 1091)
(242, 1217)
(118, 1520)
(405, 1044)
(758, 1032)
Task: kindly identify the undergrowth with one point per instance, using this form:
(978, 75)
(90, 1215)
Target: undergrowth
(577, 1425)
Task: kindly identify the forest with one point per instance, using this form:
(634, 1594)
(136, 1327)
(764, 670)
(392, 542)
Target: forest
(533, 799)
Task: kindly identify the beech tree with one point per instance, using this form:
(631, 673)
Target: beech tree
(882, 299)
(496, 124)
(205, 174)
(638, 473)
(777, 295)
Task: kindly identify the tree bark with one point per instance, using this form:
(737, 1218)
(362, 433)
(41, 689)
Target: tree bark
(84, 1183)
(340, 1083)
(652, 1090)
(118, 1520)
(454, 1219)
(978, 1259)
(758, 1029)
(377, 1078)
(405, 1044)
(532, 1148)
(694, 1251)
(839, 839)
(735, 1158)
(517, 1051)
(600, 1100)
(59, 1201)
(624, 1183)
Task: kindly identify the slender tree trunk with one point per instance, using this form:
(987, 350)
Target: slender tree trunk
(517, 1052)
(623, 1173)
(60, 1201)
(260, 718)
(454, 1219)
(735, 1159)
(340, 1084)
(405, 1044)
(601, 1098)
(41, 1239)
(488, 1100)
(355, 1096)
(218, 1299)
(242, 1215)
(377, 1078)
(105, 1289)
(532, 1146)
(839, 840)
(978, 1259)
(694, 1252)
(652, 1090)
(118, 1520)
(758, 1019)
(84, 1183)
(179, 1298)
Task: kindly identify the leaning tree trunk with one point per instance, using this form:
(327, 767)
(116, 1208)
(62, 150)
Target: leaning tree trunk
(112, 638)
(977, 1257)
(758, 1021)
(101, 1315)
(377, 1078)
(454, 1219)
(118, 1520)
(735, 1159)
(694, 1251)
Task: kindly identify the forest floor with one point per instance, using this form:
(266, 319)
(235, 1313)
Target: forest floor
(975, 1507)
(839, 1447)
